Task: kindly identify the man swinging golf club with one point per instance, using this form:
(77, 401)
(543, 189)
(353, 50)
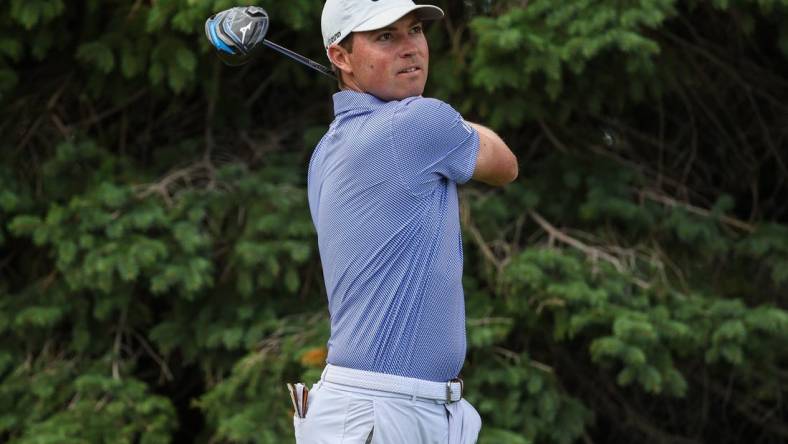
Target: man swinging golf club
(382, 187)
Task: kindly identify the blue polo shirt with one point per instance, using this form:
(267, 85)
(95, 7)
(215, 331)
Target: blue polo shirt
(382, 190)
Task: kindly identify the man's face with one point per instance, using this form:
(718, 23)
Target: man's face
(391, 63)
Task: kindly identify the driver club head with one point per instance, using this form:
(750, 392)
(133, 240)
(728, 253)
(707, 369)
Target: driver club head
(237, 33)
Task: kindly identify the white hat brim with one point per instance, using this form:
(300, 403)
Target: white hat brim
(389, 16)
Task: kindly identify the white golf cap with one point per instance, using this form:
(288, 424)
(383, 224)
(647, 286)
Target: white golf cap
(341, 17)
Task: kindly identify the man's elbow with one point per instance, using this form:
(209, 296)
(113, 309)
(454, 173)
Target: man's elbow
(509, 172)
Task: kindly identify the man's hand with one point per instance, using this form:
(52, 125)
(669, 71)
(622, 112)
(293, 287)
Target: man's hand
(496, 164)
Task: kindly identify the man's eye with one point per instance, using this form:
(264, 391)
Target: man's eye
(385, 36)
(418, 29)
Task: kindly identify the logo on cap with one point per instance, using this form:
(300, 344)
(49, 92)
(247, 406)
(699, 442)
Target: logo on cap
(335, 37)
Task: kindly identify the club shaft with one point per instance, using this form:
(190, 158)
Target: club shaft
(299, 58)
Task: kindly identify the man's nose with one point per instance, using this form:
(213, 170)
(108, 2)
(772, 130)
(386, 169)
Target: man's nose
(409, 49)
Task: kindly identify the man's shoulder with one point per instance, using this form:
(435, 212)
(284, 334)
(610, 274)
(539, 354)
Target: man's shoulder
(424, 112)
(416, 105)
(421, 104)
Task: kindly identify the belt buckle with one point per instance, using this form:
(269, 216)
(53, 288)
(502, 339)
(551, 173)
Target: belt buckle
(448, 389)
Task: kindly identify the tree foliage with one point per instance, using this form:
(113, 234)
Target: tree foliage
(159, 275)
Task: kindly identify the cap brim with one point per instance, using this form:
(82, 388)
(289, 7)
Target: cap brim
(389, 16)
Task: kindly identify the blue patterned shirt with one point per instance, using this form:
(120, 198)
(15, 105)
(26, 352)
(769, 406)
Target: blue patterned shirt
(382, 190)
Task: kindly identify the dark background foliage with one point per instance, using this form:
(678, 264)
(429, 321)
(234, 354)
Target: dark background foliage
(159, 277)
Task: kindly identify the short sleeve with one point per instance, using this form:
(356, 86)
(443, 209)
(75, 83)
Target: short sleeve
(433, 141)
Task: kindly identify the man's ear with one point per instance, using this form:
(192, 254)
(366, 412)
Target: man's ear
(340, 58)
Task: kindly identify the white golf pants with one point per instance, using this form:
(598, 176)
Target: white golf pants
(341, 414)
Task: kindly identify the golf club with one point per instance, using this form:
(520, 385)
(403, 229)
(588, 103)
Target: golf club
(238, 33)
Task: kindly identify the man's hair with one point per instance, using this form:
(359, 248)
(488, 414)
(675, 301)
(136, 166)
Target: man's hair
(346, 43)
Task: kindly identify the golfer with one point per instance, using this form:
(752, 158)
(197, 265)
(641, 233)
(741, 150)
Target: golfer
(382, 187)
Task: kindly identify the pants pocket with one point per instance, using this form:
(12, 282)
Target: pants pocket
(359, 419)
(464, 422)
(325, 418)
(298, 425)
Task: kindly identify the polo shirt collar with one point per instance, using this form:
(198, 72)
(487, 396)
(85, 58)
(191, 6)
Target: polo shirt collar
(347, 100)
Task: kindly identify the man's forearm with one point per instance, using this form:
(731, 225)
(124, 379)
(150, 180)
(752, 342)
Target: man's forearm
(496, 164)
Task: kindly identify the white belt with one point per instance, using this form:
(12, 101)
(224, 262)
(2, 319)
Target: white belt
(448, 392)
